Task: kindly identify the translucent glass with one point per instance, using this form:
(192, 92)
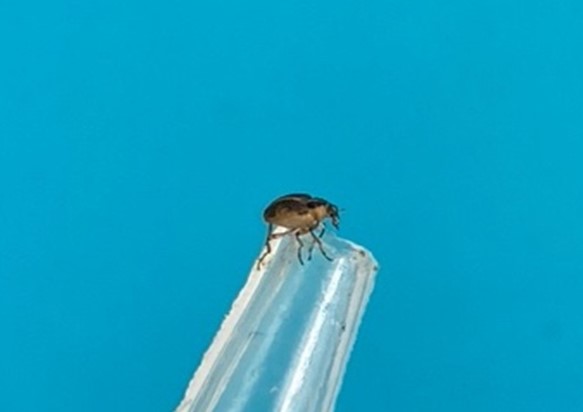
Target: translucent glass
(286, 341)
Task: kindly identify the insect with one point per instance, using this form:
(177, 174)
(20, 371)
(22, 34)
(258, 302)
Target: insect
(300, 214)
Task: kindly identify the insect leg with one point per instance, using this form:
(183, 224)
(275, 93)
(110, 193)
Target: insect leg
(319, 242)
(267, 245)
(298, 234)
(311, 249)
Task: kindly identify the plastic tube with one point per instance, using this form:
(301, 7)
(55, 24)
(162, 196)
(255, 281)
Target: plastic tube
(286, 341)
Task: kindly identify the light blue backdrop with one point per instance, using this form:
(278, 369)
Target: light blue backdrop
(140, 140)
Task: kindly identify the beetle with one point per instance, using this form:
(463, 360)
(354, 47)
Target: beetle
(299, 214)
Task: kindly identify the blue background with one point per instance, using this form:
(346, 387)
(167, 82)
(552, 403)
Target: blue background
(140, 141)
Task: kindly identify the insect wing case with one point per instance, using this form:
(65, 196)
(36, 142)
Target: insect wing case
(286, 341)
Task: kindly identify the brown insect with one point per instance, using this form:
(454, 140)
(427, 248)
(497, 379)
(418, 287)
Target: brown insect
(300, 214)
